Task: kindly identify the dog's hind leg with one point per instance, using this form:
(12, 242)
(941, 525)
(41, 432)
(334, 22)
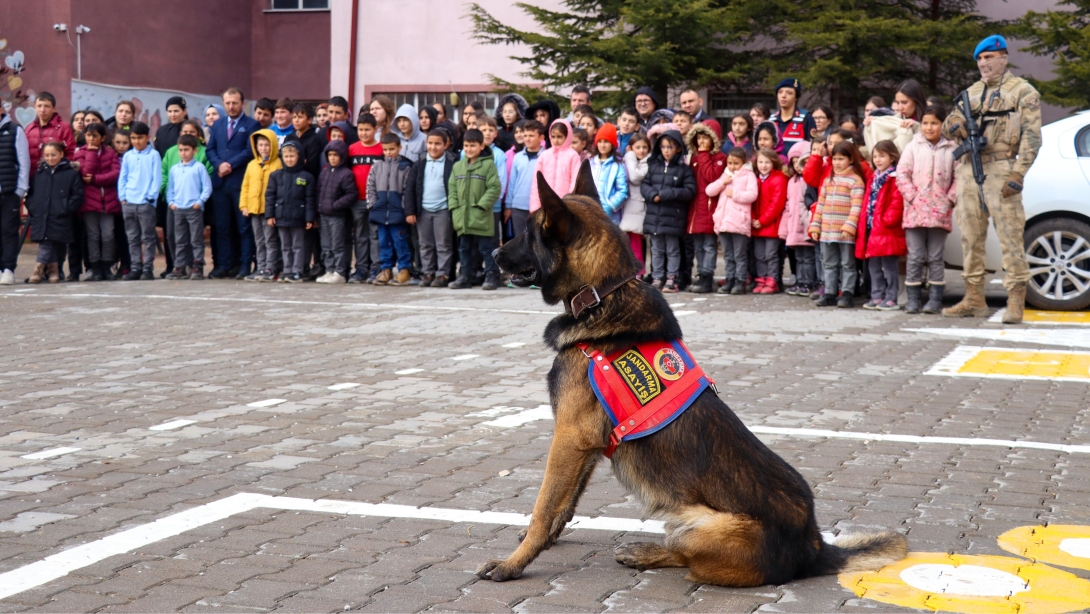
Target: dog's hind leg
(719, 548)
(646, 555)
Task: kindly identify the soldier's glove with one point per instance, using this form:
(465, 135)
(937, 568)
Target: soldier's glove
(1013, 185)
(958, 131)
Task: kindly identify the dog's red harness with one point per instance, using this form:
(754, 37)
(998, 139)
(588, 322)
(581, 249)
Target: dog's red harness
(644, 388)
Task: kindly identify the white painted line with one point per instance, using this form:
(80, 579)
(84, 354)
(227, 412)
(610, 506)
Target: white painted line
(951, 365)
(516, 344)
(44, 454)
(677, 304)
(678, 314)
(266, 403)
(344, 386)
(466, 357)
(407, 371)
(168, 426)
(925, 439)
(26, 290)
(1061, 337)
(541, 412)
(61, 564)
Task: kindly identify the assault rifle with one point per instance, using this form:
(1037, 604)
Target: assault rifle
(973, 144)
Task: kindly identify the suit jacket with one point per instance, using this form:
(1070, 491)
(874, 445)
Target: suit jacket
(235, 150)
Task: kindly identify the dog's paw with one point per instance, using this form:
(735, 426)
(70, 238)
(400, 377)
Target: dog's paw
(636, 555)
(522, 534)
(498, 571)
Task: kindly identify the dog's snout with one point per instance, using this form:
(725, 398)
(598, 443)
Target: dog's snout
(495, 252)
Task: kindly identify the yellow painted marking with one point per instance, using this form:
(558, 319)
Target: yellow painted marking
(1034, 316)
(1047, 544)
(1071, 365)
(1050, 590)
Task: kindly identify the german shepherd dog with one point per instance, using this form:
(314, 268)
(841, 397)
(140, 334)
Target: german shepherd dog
(736, 514)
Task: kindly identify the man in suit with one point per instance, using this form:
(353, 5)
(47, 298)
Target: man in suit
(229, 151)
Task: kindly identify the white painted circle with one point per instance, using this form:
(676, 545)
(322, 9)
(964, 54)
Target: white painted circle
(1076, 546)
(971, 580)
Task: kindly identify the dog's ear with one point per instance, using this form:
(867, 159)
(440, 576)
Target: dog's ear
(557, 215)
(584, 183)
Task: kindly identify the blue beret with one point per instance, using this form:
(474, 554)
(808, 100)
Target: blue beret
(790, 82)
(995, 42)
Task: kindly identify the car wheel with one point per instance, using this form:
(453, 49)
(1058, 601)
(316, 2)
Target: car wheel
(1058, 253)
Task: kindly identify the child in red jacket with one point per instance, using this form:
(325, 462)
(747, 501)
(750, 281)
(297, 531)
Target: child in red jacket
(771, 200)
(708, 164)
(882, 241)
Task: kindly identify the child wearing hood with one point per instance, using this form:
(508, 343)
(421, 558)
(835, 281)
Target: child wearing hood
(559, 164)
(708, 164)
(56, 193)
(290, 208)
(336, 194)
(667, 189)
(544, 112)
(509, 110)
(737, 190)
(252, 203)
(385, 190)
(413, 140)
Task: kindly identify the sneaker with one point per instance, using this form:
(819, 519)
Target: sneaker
(425, 281)
(726, 286)
(371, 279)
(803, 290)
(356, 278)
(404, 278)
(384, 277)
(149, 275)
(196, 273)
(846, 300)
(215, 274)
(7, 277)
(267, 276)
(294, 278)
(658, 284)
(324, 279)
(242, 276)
(440, 281)
(670, 287)
(826, 300)
(416, 281)
(460, 284)
(794, 291)
(739, 287)
(871, 305)
(134, 275)
(817, 293)
(336, 278)
(888, 306)
(177, 273)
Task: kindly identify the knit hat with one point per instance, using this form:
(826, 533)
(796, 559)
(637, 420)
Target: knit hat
(792, 83)
(608, 132)
(178, 100)
(995, 42)
(799, 150)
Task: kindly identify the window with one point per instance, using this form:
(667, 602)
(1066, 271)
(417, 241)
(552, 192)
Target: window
(299, 5)
(729, 105)
(1082, 143)
(417, 100)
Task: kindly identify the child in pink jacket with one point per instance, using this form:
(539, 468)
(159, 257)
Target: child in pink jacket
(737, 191)
(559, 164)
(795, 221)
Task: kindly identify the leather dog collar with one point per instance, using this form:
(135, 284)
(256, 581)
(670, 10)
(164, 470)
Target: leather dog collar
(589, 296)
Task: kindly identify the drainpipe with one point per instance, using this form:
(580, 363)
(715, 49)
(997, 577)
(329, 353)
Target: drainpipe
(352, 57)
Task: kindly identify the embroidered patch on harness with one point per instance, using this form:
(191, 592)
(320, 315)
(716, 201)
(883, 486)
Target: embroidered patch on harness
(668, 364)
(639, 376)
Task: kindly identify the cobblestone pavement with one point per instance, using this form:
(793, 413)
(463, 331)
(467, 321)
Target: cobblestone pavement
(96, 366)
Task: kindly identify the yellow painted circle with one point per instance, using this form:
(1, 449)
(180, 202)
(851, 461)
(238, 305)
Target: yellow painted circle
(1058, 544)
(1046, 590)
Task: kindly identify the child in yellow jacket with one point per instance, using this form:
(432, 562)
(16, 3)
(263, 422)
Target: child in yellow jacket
(252, 204)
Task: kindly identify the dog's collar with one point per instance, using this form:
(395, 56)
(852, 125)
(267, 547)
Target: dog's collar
(589, 296)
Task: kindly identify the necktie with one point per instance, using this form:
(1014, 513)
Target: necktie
(230, 129)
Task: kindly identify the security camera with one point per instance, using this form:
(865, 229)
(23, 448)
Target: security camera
(82, 29)
(60, 27)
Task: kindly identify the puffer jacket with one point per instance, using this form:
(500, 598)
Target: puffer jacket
(796, 216)
(386, 190)
(635, 209)
(55, 130)
(771, 201)
(104, 166)
(925, 177)
(708, 167)
(56, 194)
(734, 214)
(337, 185)
(611, 179)
(252, 197)
(559, 165)
(673, 182)
(886, 236)
(292, 197)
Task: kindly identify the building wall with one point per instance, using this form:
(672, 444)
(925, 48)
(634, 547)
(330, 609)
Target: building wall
(291, 53)
(48, 59)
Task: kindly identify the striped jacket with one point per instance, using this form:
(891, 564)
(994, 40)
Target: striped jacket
(840, 201)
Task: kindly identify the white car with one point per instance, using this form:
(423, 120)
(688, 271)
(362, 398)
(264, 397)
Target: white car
(1057, 203)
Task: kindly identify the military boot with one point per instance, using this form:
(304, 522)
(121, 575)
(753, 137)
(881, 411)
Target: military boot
(1016, 304)
(972, 305)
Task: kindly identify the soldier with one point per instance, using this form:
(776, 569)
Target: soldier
(1008, 109)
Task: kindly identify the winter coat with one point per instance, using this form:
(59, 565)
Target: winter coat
(291, 197)
(888, 128)
(611, 180)
(840, 202)
(252, 198)
(167, 136)
(796, 216)
(413, 202)
(412, 146)
(925, 177)
(505, 137)
(771, 201)
(818, 169)
(386, 190)
(311, 150)
(471, 192)
(104, 166)
(707, 168)
(634, 208)
(734, 214)
(337, 185)
(559, 165)
(56, 194)
(55, 130)
(886, 236)
(672, 181)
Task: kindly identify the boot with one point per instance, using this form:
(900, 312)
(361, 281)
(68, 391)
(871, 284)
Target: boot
(1016, 304)
(972, 305)
(914, 294)
(38, 275)
(54, 273)
(703, 285)
(846, 300)
(728, 284)
(96, 271)
(934, 299)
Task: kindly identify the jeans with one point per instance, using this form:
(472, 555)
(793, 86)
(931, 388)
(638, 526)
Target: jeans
(519, 217)
(704, 248)
(100, 236)
(806, 259)
(227, 238)
(291, 249)
(735, 255)
(665, 256)
(188, 237)
(9, 231)
(140, 228)
(884, 282)
(334, 249)
(361, 238)
(436, 241)
(838, 261)
(926, 246)
(767, 251)
(49, 252)
(393, 242)
(467, 244)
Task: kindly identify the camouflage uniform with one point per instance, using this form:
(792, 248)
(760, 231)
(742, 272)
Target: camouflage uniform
(1012, 127)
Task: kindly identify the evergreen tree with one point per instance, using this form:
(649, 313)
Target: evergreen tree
(1066, 36)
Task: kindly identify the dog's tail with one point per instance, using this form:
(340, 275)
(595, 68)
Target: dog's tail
(860, 552)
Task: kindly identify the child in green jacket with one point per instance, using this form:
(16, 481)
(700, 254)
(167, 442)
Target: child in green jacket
(473, 189)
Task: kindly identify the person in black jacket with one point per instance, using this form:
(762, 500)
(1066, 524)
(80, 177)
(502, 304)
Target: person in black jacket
(291, 206)
(311, 145)
(55, 196)
(426, 200)
(668, 188)
(337, 192)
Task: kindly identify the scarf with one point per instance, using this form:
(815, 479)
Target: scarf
(875, 187)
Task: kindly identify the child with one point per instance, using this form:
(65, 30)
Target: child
(426, 201)
(579, 142)
(99, 166)
(628, 123)
(796, 218)
(474, 186)
(635, 209)
(364, 153)
(336, 195)
(767, 137)
(559, 164)
(509, 155)
(522, 186)
(926, 179)
(741, 127)
(489, 132)
(252, 204)
(385, 187)
(121, 144)
(684, 123)
(590, 124)
(737, 190)
(667, 189)
(708, 164)
(882, 241)
(610, 176)
(290, 208)
(408, 128)
(138, 188)
(56, 194)
(767, 211)
(834, 224)
(188, 189)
